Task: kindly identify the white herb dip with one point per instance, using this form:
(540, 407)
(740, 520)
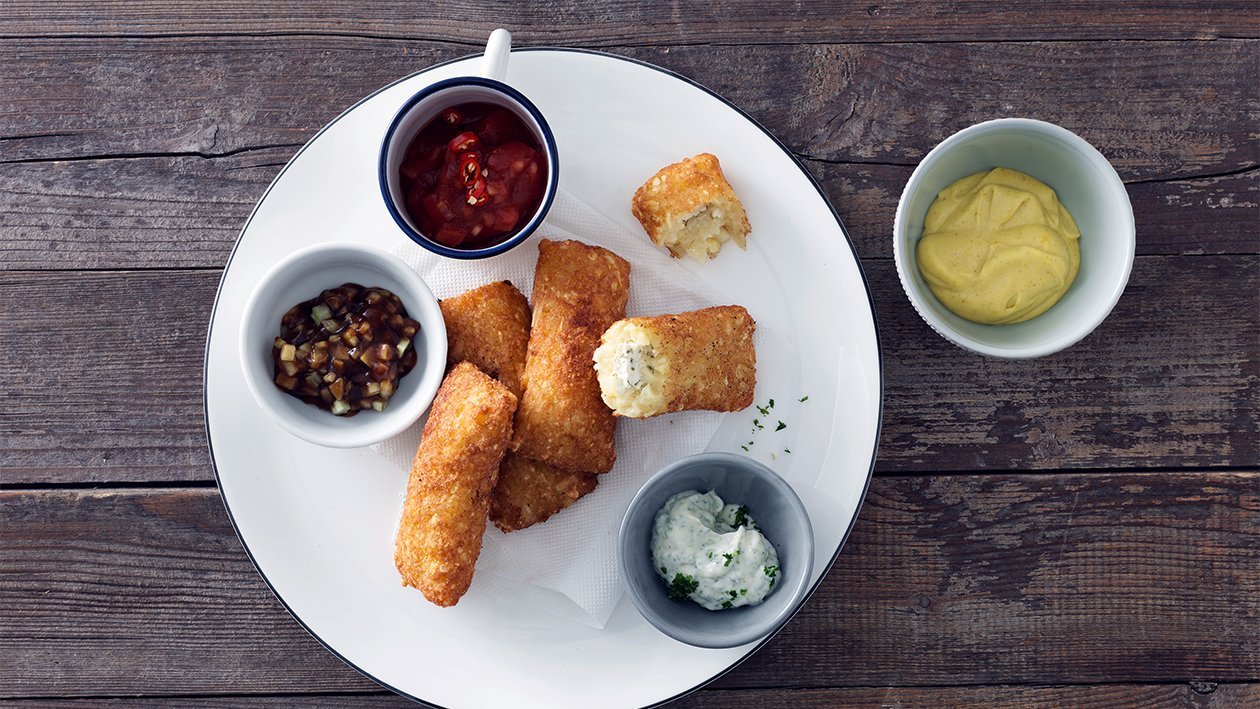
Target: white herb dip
(712, 553)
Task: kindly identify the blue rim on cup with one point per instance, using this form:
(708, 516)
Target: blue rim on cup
(426, 104)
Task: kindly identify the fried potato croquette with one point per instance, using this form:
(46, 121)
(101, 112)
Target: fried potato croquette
(703, 359)
(579, 291)
(452, 475)
(489, 327)
(530, 492)
(689, 208)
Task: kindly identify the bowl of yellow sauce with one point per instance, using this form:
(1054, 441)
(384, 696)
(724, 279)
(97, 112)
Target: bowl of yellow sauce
(1014, 238)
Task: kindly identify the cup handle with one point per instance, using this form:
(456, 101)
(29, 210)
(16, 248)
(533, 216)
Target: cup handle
(494, 64)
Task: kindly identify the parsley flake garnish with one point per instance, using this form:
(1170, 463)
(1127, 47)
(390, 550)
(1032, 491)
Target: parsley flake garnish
(781, 426)
(729, 558)
(744, 447)
(786, 450)
(733, 594)
(804, 398)
(682, 587)
(772, 403)
(765, 410)
(726, 604)
(770, 571)
(741, 516)
(743, 592)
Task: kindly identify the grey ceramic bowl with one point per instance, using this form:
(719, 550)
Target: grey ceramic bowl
(777, 511)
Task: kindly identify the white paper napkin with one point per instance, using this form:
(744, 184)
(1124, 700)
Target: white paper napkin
(567, 566)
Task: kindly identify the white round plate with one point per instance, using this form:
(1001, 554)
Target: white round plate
(318, 522)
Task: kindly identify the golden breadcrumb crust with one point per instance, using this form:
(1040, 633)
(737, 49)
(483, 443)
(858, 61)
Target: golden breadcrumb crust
(712, 360)
(452, 475)
(529, 492)
(489, 327)
(681, 189)
(579, 290)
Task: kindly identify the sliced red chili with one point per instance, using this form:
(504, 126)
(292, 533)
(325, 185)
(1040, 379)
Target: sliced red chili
(464, 141)
(469, 167)
(472, 175)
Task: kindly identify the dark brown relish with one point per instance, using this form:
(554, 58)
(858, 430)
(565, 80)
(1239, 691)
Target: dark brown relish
(345, 349)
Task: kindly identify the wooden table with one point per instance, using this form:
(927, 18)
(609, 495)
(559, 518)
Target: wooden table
(1079, 529)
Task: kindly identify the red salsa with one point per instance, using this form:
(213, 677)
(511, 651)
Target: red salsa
(473, 176)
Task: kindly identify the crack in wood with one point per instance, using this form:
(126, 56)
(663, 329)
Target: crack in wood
(35, 136)
(1140, 181)
(151, 155)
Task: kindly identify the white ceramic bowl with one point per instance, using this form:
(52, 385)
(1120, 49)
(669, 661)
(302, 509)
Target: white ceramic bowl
(303, 276)
(1086, 184)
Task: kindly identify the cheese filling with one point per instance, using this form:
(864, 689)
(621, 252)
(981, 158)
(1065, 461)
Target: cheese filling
(699, 234)
(631, 371)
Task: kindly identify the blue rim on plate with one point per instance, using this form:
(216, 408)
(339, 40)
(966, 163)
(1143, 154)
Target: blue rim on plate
(879, 423)
(549, 142)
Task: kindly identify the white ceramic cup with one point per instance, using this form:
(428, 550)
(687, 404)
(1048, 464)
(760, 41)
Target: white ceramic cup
(425, 105)
(1088, 187)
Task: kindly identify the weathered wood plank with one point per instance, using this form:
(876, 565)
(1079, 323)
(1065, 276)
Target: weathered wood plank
(1216, 215)
(648, 23)
(1156, 109)
(1171, 696)
(166, 212)
(991, 579)
(1171, 379)
(1199, 695)
(102, 376)
(210, 97)
(133, 592)
(171, 212)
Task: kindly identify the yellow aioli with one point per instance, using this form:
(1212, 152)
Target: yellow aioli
(998, 247)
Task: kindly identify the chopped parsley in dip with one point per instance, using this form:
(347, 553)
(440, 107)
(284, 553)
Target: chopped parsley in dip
(712, 552)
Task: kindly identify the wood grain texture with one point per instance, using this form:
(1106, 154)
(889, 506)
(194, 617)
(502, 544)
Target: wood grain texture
(998, 579)
(102, 376)
(125, 592)
(1170, 379)
(161, 212)
(1003, 556)
(187, 211)
(1040, 577)
(124, 175)
(1172, 696)
(1197, 695)
(1187, 110)
(1215, 215)
(647, 23)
